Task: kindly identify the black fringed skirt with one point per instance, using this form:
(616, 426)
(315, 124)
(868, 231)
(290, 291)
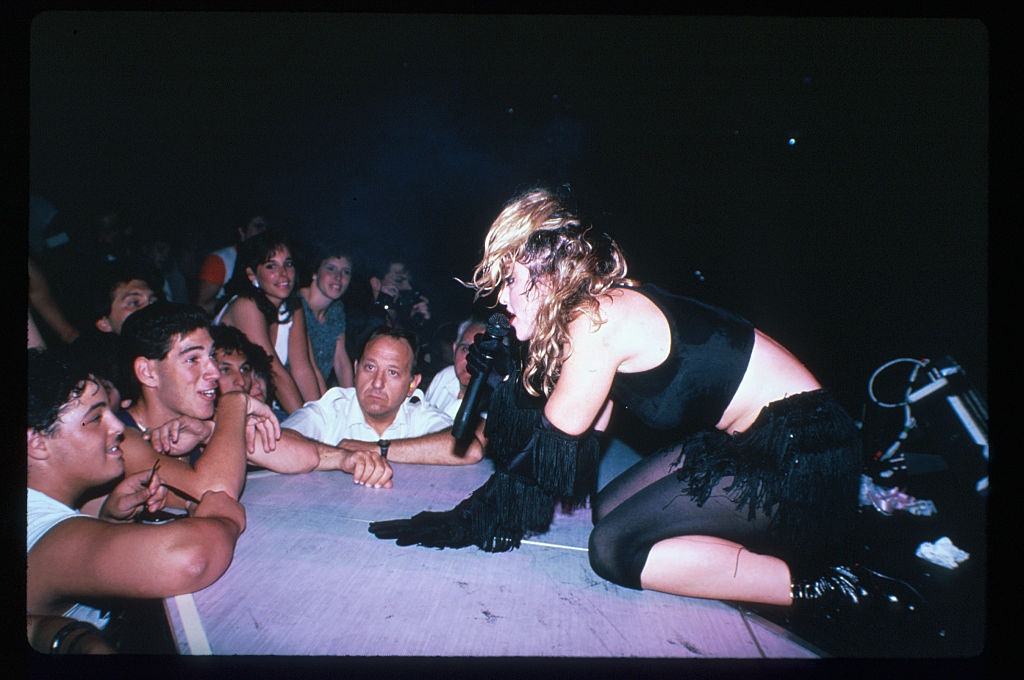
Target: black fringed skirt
(799, 464)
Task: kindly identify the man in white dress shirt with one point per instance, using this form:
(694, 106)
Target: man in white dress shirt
(448, 387)
(385, 412)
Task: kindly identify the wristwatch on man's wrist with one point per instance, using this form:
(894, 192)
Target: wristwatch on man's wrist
(384, 444)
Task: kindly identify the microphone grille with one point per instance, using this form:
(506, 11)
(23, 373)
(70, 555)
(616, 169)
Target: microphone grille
(498, 325)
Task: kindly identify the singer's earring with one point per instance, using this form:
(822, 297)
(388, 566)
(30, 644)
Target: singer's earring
(256, 283)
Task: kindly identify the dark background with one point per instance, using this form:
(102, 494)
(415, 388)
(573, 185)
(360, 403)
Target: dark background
(865, 240)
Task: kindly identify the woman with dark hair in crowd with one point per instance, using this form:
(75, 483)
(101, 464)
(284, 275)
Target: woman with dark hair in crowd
(325, 314)
(757, 502)
(263, 306)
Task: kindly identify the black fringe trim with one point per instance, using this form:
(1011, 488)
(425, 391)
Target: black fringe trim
(559, 468)
(511, 420)
(504, 510)
(566, 466)
(799, 464)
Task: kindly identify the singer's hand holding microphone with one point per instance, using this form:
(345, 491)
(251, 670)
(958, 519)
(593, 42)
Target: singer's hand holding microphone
(488, 355)
(487, 363)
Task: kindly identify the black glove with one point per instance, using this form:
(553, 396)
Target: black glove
(512, 503)
(431, 529)
(494, 518)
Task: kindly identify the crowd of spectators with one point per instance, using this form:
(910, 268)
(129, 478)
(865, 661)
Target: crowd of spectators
(157, 379)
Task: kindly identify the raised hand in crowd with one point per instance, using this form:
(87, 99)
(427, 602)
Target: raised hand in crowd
(136, 492)
(180, 435)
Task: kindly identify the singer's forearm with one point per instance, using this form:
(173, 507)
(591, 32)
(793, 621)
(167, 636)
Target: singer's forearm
(439, 448)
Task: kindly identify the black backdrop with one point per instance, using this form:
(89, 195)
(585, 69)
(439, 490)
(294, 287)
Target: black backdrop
(828, 177)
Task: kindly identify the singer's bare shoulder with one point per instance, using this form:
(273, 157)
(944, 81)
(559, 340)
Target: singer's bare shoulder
(630, 334)
(629, 331)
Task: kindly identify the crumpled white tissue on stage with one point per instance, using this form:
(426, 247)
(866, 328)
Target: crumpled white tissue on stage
(942, 552)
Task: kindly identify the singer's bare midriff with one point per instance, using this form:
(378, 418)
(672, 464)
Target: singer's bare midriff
(772, 374)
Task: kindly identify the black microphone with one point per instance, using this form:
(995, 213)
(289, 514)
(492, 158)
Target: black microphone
(498, 327)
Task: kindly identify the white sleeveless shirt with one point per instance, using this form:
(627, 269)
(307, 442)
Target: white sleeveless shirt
(283, 329)
(44, 513)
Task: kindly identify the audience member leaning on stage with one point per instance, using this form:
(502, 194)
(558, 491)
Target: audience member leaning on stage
(264, 307)
(173, 371)
(243, 365)
(76, 563)
(235, 356)
(448, 387)
(385, 412)
(173, 381)
(325, 314)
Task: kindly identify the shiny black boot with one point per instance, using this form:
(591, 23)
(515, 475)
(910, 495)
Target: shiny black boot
(855, 591)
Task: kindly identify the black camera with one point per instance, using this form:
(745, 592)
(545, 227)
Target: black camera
(404, 299)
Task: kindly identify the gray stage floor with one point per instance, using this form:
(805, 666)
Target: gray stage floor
(309, 579)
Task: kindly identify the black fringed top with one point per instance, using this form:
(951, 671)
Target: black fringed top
(691, 389)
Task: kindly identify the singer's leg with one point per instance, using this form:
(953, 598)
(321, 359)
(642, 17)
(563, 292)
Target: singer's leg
(711, 567)
(703, 551)
(633, 480)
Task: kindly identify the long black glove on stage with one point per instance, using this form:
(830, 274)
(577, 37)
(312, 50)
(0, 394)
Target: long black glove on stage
(537, 466)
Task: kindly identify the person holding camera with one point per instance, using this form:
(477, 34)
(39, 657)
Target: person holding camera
(394, 294)
(393, 301)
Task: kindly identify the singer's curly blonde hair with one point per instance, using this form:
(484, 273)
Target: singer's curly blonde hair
(537, 230)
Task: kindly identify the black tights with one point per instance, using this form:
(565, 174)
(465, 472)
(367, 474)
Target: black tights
(646, 504)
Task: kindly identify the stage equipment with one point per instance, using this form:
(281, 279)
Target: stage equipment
(948, 414)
